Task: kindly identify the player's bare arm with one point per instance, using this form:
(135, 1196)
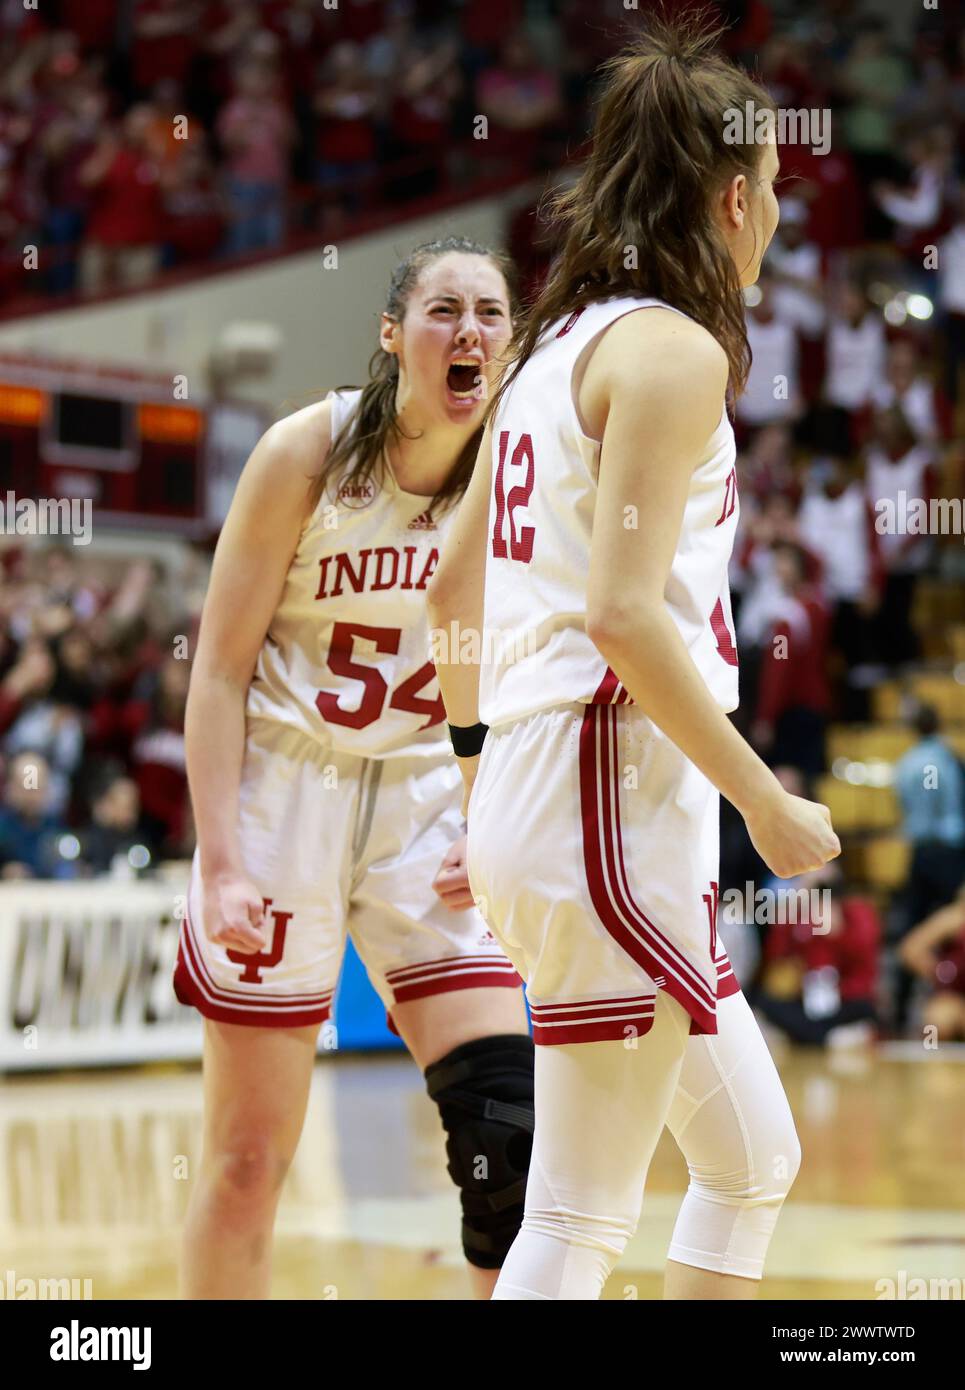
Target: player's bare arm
(455, 594)
(654, 388)
(251, 561)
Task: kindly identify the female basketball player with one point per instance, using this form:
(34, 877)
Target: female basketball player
(325, 791)
(596, 534)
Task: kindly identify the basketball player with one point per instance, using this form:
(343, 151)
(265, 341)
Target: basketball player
(325, 792)
(595, 536)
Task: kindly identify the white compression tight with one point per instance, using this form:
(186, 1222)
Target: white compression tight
(600, 1108)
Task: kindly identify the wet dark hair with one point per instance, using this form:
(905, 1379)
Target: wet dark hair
(359, 451)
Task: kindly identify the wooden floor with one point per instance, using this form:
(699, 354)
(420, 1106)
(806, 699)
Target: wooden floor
(95, 1170)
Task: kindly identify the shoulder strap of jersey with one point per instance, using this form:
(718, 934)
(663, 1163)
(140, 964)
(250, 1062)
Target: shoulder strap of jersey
(343, 404)
(584, 324)
(568, 337)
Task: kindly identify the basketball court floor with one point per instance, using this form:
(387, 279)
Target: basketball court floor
(95, 1170)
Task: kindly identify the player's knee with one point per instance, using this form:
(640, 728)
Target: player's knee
(248, 1170)
(788, 1162)
(484, 1091)
(777, 1157)
(765, 1173)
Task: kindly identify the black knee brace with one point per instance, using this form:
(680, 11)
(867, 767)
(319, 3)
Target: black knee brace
(484, 1091)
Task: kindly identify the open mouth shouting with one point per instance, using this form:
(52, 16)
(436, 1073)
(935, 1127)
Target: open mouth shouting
(465, 382)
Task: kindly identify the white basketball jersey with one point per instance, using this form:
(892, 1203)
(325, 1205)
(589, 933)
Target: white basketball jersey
(346, 658)
(536, 653)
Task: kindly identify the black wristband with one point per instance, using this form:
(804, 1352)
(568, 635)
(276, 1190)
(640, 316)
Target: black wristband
(467, 741)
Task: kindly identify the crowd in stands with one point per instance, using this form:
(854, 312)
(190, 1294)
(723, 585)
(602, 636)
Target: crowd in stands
(854, 401)
(137, 135)
(94, 675)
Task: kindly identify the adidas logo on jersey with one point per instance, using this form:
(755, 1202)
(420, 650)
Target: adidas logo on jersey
(422, 522)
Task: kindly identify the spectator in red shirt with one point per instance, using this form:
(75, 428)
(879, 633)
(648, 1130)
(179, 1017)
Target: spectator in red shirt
(257, 133)
(794, 698)
(820, 974)
(194, 211)
(520, 97)
(157, 754)
(166, 36)
(829, 186)
(346, 105)
(485, 23)
(122, 246)
(426, 88)
(14, 218)
(363, 19)
(749, 23)
(93, 21)
(935, 951)
(147, 732)
(65, 143)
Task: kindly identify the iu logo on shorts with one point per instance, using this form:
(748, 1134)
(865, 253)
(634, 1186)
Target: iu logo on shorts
(254, 964)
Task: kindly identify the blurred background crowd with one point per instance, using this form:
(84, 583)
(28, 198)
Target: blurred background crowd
(851, 633)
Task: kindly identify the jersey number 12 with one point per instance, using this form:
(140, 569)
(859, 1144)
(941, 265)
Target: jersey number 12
(520, 542)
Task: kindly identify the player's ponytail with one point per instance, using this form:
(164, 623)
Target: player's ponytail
(640, 220)
(358, 453)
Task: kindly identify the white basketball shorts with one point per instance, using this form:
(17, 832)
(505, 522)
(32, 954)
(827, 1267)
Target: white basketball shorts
(593, 855)
(336, 843)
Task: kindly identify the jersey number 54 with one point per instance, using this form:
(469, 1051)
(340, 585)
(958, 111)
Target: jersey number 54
(403, 697)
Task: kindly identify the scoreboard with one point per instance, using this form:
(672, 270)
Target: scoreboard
(120, 438)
